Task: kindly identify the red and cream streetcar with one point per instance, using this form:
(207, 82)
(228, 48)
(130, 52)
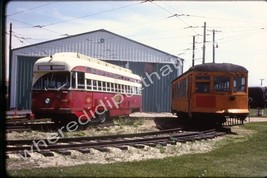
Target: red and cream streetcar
(74, 86)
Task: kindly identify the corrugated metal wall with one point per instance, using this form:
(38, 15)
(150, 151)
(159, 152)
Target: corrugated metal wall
(103, 45)
(156, 85)
(24, 81)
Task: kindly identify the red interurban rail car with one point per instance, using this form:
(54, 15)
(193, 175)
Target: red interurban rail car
(209, 93)
(74, 86)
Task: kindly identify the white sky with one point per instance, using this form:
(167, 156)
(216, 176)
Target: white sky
(165, 25)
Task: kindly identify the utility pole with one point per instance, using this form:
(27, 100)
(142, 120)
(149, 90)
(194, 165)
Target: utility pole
(10, 66)
(204, 43)
(261, 81)
(193, 55)
(213, 46)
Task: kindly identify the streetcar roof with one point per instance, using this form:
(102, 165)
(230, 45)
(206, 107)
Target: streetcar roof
(218, 67)
(71, 60)
(215, 67)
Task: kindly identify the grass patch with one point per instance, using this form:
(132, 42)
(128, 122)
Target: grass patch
(235, 156)
(126, 121)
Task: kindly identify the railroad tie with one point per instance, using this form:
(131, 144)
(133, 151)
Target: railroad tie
(181, 140)
(121, 147)
(172, 142)
(139, 146)
(162, 143)
(83, 150)
(63, 151)
(102, 149)
(24, 154)
(151, 144)
(46, 153)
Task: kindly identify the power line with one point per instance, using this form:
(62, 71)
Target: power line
(36, 7)
(238, 36)
(42, 26)
(37, 26)
(173, 15)
(89, 15)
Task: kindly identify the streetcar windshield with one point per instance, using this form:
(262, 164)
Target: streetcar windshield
(53, 80)
(221, 84)
(239, 84)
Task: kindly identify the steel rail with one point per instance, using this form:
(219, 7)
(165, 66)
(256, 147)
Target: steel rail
(91, 138)
(175, 137)
(39, 125)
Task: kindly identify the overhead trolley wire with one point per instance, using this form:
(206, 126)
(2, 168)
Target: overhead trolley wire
(174, 15)
(55, 23)
(36, 7)
(37, 26)
(89, 15)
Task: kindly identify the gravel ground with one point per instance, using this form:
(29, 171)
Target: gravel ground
(116, 155)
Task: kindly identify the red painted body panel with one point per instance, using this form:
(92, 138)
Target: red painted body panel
(82, 104)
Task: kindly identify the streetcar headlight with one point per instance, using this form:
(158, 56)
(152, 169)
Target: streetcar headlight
(47, 101)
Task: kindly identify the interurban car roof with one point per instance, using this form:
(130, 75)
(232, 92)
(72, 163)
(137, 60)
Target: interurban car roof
(215, 67)
(218, 67)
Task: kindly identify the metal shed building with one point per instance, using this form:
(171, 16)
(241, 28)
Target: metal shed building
(157, 68)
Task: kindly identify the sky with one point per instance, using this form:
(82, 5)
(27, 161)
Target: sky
(240, 27)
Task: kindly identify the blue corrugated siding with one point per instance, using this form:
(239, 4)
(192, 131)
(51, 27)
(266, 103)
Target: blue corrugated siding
(156, 91)
(24, 81)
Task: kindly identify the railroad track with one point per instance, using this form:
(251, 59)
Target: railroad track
(45, 125)
(102, 143)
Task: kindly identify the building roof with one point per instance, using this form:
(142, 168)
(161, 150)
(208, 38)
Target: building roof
(109, 46)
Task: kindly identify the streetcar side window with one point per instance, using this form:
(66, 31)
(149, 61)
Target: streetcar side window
(116, 87)
(73, 80)
(202, 87)
(80, 76)
(120, 88)
(112, 87)
(104, 86)
(99, 84)
(134, 90)
(89, 84)
(108, 86)
(177, 90)
(128, 89)
(94, 85)
(123, 88)
(184, 87)
(139, 91)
